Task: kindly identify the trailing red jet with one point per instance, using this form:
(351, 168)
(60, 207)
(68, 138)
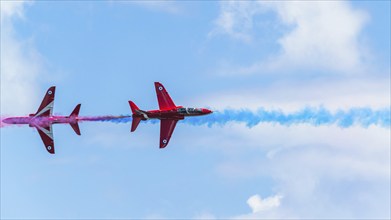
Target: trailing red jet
(43, 119)
(168, 113)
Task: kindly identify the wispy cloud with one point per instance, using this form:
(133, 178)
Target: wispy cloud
(171, 7)
(319, 34)
(20, 63)
(257, 204)
(293, 94)
(236, 19)
(264, 208)
(320, 171)
(11, 9)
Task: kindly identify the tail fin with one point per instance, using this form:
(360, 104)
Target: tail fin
(135, 123)
(75, 111)
(133, 107)
(136, 119)
(46, 107)
(75, 125)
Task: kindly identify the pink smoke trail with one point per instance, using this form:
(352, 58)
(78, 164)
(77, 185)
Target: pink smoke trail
(44, 120)
(108, 118)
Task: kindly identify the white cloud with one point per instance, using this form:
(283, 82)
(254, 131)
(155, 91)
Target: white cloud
(325, 35)
(236, 19)
(322, 151)
(20, 64)
(321, 34)
(293, 96)
(322, 172)
(257, 204)
(267, 208)
(171, 7)
(205, 215)
(11, 8)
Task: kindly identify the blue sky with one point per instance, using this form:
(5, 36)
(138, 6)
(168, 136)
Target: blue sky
(275, 56)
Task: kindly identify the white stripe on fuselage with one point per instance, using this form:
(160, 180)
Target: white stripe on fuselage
(142, 113)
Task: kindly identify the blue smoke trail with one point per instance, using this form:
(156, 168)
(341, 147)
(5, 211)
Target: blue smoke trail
(314, 116)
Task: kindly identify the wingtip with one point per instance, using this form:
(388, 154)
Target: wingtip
(162, 144)
(51, 91)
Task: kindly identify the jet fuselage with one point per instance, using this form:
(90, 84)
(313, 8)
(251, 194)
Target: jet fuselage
(176, 113)
(168, 114)
(41, 121)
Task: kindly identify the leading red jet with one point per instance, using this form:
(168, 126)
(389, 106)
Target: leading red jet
(43, 119)
(168, 113)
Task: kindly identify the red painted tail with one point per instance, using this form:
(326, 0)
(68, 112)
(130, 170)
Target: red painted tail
(136, 119)
(75, 111)
(133, 107)
(75, 125)
(135, 123)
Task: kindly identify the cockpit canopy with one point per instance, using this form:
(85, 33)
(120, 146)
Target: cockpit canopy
(189, 110)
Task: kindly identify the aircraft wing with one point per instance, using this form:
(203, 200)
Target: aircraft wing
(46, 107)
(167, 126)
(163, 98)
(46, 134)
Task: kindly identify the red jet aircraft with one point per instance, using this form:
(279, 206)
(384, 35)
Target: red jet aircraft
(168, 113)
(43, 120)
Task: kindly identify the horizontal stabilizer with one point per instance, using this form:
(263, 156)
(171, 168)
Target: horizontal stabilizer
(75, 127)
(135, 123)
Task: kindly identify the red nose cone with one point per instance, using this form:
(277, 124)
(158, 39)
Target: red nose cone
(206, 111)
